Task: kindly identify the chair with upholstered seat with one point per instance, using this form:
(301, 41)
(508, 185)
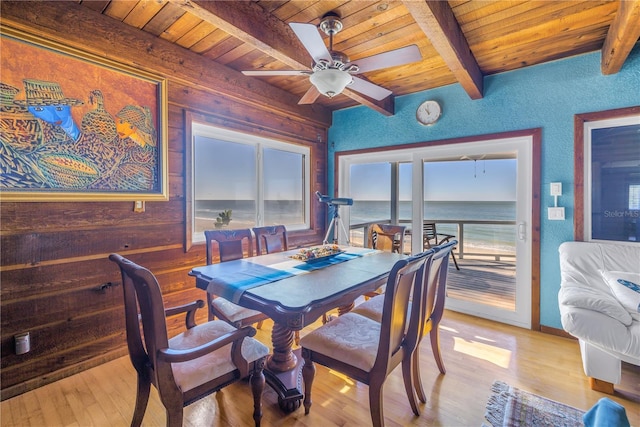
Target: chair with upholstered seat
(366, 350)
(433, 309)
(230, 246)
(431, 238)
(270, 239)
(191, 365)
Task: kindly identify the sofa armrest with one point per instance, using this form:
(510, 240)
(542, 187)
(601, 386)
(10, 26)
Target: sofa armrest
(593, 299)
(603, 332)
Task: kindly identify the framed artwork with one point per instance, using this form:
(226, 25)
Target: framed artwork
(77, 127)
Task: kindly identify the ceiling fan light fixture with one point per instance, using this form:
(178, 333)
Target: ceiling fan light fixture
(330, 82)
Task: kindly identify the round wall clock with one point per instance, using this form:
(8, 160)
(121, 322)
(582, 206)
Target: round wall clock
(428, 112)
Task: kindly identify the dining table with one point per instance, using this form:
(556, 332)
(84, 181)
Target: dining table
(294, 293)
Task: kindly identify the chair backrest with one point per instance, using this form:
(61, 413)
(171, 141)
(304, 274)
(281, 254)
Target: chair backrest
(386, 237)
(230, 244)
(271, 239)
(429, 232)
(397, 329)
(435, 294)
(143, 303)
(176, 371)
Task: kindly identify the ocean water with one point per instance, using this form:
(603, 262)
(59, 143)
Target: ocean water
(495, 238)
(244, 213)
(499, 238)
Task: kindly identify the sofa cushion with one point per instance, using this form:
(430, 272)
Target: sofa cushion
(626, 288)
(595, 300)
(621, 257)
(581, 262)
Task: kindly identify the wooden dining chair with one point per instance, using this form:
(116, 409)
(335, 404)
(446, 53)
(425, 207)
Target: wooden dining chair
(369, 351)
(433, 310)
(270, 239)
(431, 237)
(386, 237)
(229, 245)
(434, 296)
(197, 362)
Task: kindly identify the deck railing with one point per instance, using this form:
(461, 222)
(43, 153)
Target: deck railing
(458, 231)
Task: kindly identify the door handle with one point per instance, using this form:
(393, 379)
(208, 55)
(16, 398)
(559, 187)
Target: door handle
(522, 231)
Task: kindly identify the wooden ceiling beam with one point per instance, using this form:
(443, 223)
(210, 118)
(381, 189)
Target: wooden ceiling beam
(437, 21)
(623, 34)
(248, 22)
(385, 106)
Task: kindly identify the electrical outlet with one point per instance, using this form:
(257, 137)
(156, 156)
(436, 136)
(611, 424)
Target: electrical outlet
(23, 343)
(138, 206)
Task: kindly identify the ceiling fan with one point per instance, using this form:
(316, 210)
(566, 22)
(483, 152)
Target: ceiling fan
(332, 71)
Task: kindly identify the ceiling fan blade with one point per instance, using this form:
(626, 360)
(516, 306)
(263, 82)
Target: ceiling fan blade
(312, 41)
(276, 73)
(404, 55)
(310, 96)
(367, 88)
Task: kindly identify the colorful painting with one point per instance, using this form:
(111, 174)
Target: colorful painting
(76, 127)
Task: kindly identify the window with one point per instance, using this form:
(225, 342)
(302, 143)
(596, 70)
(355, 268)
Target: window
(261, 181)
(611, 177)
(371, 192)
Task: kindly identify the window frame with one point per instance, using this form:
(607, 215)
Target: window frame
(634, 186)
(201, 128)
(584, 124)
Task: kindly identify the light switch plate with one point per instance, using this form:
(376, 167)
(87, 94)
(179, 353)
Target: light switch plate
(556, 189)
(555, 214)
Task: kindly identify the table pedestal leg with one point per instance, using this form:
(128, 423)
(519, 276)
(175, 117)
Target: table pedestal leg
(284, 369)
(282, 359)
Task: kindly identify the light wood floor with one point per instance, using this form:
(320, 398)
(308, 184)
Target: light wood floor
(476, 352)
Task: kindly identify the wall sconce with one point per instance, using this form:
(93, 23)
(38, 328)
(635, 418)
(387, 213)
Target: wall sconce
(556, 213)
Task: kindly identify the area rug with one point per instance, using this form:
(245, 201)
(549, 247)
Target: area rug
(512, 407)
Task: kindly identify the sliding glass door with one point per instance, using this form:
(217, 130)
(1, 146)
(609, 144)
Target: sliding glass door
(479, 193)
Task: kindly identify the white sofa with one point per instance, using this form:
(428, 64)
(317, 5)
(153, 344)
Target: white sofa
(603, 321)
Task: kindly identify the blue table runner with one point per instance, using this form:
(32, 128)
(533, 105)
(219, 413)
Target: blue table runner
(325, 262)
(245, 275)
(230, 279)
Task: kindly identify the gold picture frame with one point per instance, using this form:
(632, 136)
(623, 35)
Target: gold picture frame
(78, 127)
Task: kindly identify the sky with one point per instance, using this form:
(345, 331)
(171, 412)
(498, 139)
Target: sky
(468, 180)
(231, 167)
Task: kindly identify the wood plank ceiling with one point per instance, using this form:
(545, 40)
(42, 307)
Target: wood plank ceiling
(460, 40)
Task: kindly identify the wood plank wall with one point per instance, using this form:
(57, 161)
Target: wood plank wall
(54, 254)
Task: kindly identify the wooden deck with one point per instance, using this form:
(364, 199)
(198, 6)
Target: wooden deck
(486, 281)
